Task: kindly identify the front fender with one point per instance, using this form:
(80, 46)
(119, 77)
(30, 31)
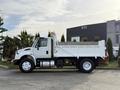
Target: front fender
(20, 57)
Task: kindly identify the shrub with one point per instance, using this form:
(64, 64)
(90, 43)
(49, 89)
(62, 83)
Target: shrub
(119, 51)
(118, 60)
(110, 49)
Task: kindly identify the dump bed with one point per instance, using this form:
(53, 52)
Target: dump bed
(80, 49)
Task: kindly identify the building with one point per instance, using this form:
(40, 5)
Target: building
(95, 32)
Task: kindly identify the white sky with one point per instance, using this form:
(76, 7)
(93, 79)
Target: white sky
(56, 15)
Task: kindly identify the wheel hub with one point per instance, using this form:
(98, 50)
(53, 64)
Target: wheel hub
(26, 65)
(87, 65)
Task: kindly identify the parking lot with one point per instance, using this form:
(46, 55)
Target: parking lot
(59, 80)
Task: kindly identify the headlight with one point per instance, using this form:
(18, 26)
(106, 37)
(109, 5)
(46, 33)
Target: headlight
(17, 52)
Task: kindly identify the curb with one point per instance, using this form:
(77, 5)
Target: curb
(3, 66)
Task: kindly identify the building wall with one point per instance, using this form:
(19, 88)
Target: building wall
(88, 32)
(113, 32)
(94, 32)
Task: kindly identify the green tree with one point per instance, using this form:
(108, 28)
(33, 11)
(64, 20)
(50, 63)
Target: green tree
(9, 48)
(2, 29)
(12, 44)
(17, 42)
(62, 38)
(26, 39)
(37, 35)
(110, 49)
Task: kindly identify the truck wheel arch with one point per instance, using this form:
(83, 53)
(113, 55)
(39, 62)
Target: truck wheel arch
(31, 57)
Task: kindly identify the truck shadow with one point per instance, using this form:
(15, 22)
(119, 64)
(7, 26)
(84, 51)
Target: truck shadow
(49, 71)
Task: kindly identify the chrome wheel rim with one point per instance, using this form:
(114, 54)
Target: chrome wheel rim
(87, 65)
(26, 65)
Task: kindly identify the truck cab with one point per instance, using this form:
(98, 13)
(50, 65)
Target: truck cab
(43, 48)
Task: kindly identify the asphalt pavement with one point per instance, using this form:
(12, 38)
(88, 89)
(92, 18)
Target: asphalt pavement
(59, 80)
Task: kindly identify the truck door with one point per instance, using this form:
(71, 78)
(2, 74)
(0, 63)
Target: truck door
(42, 49)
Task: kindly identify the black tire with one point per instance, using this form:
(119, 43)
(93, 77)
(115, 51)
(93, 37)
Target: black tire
(86, 69)
(31, 67)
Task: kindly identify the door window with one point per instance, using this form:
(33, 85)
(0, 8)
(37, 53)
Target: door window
(42, 42)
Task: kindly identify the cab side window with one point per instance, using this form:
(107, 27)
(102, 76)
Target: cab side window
(42, 42)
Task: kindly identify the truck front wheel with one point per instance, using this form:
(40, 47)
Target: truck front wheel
(26, 65)
(86, 65)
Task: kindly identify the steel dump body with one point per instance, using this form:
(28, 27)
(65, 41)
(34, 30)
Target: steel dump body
(80, 49)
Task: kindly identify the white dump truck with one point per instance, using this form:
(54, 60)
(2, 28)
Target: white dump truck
(49, 53)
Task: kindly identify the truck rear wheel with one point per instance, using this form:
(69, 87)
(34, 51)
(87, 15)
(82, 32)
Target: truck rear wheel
(86, 65)
(26, 65)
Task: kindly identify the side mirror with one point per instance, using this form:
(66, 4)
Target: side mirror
(38, 46)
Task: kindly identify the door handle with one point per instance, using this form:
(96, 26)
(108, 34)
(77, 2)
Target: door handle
(46, 52)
